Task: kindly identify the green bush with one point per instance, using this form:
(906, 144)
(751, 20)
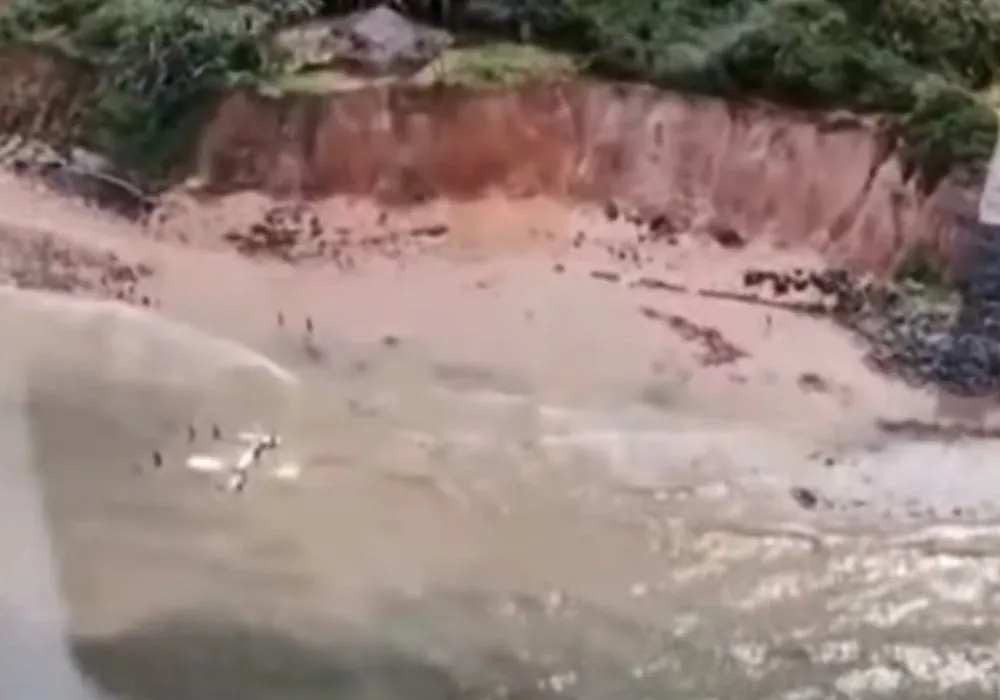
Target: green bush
(158, 59)
(920, 266)
(922, 60)
(925, 61)
(955, 38)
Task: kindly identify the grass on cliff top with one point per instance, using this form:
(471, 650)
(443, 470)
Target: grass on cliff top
(930, 63)
(506, 64)
(487, 64)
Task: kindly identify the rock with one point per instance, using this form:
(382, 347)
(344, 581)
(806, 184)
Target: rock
(433, 231)
(374, 43)
(810, 381)
(654, 283)
(605, 276)
(804, 497)
(660, 226)
(727, 237)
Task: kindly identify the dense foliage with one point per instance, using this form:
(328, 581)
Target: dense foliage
(929, 61)
(157, 59)
(932, 63)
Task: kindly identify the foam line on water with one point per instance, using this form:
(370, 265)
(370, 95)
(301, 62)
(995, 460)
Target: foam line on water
(902, 489)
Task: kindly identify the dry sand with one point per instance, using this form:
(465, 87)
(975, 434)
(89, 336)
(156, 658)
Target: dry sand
(519, 479)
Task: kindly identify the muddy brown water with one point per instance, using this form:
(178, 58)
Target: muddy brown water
(460, 531)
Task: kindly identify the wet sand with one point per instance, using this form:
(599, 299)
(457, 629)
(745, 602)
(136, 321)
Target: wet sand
(514, 484)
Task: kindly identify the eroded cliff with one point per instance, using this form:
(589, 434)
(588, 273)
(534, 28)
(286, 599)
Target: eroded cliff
(834, 182)
(831, 181)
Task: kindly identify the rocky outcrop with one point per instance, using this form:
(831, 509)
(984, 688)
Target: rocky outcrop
(829, 181)
(374, 43)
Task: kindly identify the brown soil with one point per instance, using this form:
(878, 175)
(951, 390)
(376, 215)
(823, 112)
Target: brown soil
(830, 183)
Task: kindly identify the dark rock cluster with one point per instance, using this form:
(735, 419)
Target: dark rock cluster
(279, 233)
(951, 344)
(717, 350)
(963, 357)
(661, 226)
(294, 233)
(841, 293)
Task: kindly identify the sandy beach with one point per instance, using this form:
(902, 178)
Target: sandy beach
(531, 460)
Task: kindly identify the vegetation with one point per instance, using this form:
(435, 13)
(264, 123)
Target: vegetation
(931, 63)
(919, 266)
(927, 61)
(504, 63)
(158, 60)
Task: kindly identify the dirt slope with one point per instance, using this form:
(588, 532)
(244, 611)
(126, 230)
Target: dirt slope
(834, 183)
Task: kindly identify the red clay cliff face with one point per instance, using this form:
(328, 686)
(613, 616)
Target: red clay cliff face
(830, 182)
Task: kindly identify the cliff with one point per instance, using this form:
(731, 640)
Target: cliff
(831, 181)
(835, 182)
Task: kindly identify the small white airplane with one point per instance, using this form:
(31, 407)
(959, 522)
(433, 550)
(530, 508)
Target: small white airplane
(238, 471)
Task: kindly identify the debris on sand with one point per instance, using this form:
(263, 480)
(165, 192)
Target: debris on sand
(727, 236)
(661, 227)
(294, 233)
(717, 350)
(605, 276)
(805, 498)
(655, 283)
(810, 381)
(434, 231)
(278, 233)
(925, 430)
